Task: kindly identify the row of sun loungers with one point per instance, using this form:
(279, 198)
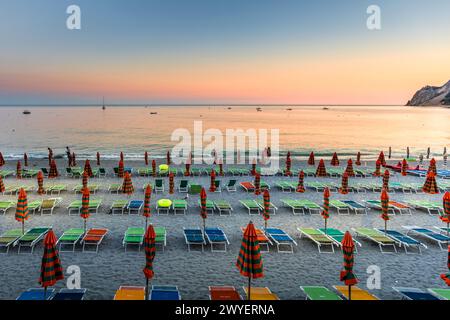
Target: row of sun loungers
(52, 294)
(135, 237)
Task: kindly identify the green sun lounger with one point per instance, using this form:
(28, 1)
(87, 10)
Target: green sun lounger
(429, 206)
(34, 206)
(335, 172)
(312, 207)
(159, 186)
(31, 238)
(8, 238)
(443, 294)
(133, 236)
(119, 206)
(183, 187)
(296, 206)
(161, 236)
(144, 172)
(337, 236)
(30, 173)
(319, 293)
(6, 173)
(377, 237)
(224, 207)
(179, 206)
(341, 207)
(115, 188)
(70, 238)
(93, 188)
(75, 206)
(272, 207)
(195, 189)
(318, 186)
(320, 239)
(56, 189)
(287, 186)
(5, 205)
(252, 206)
(209, 206)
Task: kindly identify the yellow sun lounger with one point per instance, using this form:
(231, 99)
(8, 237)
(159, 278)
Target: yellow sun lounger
(357, 293)
(130, 293)
(261, 294)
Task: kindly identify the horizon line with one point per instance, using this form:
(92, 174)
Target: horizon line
(197, 105)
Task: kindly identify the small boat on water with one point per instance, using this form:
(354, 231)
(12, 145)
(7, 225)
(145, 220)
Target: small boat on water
(259, 109)
(26, 112)
(289, 109)
(152, 113)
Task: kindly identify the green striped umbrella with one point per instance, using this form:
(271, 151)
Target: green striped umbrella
(445, 217)
(85, 214)
(249, 261)
(40, 182)
(288, 164)
(386, 180)
(266, 213)
(301, 185)
(257, 184)
(430, 185)
(221, 173)
(74, 159)
(344, 187)
(404, 169)
(51, 268)
(2, 185)
(187, 171)
(2, 161)
(377, 172)
(311, 160)
(127, 186)
(171, 183)
(150, 252)
(22, 212)
(385, 208)
(326, 207)
(321, 170)
(154, 168)
(147, 208)
(121, 157)
(25, 160)
(120, 169)
(146, 158)
(169, 160)
(432, 167)
(19, 170)
(84, 181)
(212, 187)
(349, 170)
(334, 160)
(87, 168)
(382, 159)
(203, 211)
(347, 275)
(358, 159)
(98, 159)
(446, 277)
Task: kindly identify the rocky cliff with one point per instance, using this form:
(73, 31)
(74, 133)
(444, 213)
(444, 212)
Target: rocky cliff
(431, 96)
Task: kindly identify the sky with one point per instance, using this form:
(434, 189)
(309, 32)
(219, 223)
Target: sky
(221, 51)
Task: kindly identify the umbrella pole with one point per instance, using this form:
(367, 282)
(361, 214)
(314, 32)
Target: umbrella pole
(349, 292)
(325, 226)
(249, 287)
(23, 227)
(84, 226)
(45, 293)
(385, 226)
(448, 225)
(146, 289)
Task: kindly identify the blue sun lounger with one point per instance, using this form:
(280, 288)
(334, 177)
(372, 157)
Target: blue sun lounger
(356, 206)
(37, 294)
(414, 294)
(135, 206)
(70, 294)
(403, 240)
(281, 239)
(194, 237)
(217, 238)
(440, 239)
(165, 293)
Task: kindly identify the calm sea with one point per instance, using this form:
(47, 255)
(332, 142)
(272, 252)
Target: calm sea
(134, 129)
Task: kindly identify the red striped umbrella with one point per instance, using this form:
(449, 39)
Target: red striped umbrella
(382, 159)
(203, 211)
(385, 208)
(347, 275)
(87, 168)
(430, 185)
(288, 165)
(51, 268)
(326, 206)
(19, 170)
(98, 159)
(120, 169)
(404, 168)
(407, 152)
(386, 180)
(253, 167)
(146, 158)
(2, 160)
(266, 212)
(249, 261)
(445, 217)
(40, 182)
(150, 252)
(311, 160)
(85, 213)
(212, 187)
(2, 185)
(169, 160)
(432, 167)
(25, 160)
(154, 168)
(84, 181)
(349, 169)
(446, 277)
(187, 171)
(53, 173)
(390, 152)
(74, 159)
(127, 186)
(257, 184)
(377, 172)
(221, 173)
(344, 188)
(335, 160)
(50, 156)
(147, 208)
(121, 157)
(428, 153)
(321, 170)
(22, 212)
(171, 183)
(301, 185)
(358, 159)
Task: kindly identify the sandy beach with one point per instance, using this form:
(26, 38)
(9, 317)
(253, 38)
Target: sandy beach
(194, 271)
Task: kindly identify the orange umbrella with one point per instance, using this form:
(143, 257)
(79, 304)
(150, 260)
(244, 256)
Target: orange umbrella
(311, 160)
(212, 187)
(40, 181)
(171, 183)
(50, 156)
(446, 277)
(349, 169)
(446, 215)
(432, 167)
(25, 160)
(382, 159)
(51, 269)
(404, 168)
(321, 170)
(84, 181)
(187, 172)
(347, 275)
(154, 168)
(326, 207)
(266, 212)
(385, 208)
(288, 165)
(19, 170)
(253, 167)
(301, 185)
(127, 186)
(221, 173)
(169, 160)
(344, 188)
(53, 173)
(22, 212)
(121, 157)
(74, 159)
(335, 160)
(147, 208)
(430, 185)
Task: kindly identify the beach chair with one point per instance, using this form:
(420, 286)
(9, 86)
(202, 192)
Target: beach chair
(93, 238)
(34, 206)
(129, 293)
(161, 237)
(295, 205)
(196, 172)
(6, 173)
(165, 293)
(93, 188)
(358, 294)
(263, 240)
(135, 206)
(56, 189)
(70, 238)
(36, 294)
(223, 206)
(163, 206)
(357, 207)
(318, 293)
(31, 238)
(159, 186)
(231, 186)
(376, 204)
(194, 237)
(400, 207)
(218, 185)
(195, 189)
(377, 237)
(248, 186)
(70, 295)
(443, 294)
(286, 186)
(320, 239)
(260, 294)
(311, 207)
(115, 188)
(75, 206)
(44, 172)
(209, 206)
(440, 239)
(119, 206)
(48, 205)
(337, 236)
(284, 242)
(415, 294)
(252, 206)
(430, 207)
(144, 172)
(404, 240)
(101, 172)
(317, 186)
(9, 238)
(133, 236)
(76, 172)
(272, 207)
(341, 207)
(29, 173)
(224, 294)
(183, 187)
(179, 206)
(217, 239)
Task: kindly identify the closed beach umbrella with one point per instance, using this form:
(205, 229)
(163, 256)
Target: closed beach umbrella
(53, 173)
(432, 167)
(40, 182)
(171, 183)
(50, 156)
(344, 187)
(257, 184)
(19, 170)
(203, 210)
(428, 153)
(74, 159)
(84, 181)
(382, 159)
(301, 182)
(51, 268)
(358, 159)
(326, 207)
(150, 252)
(169, 161)
(377, 172)
(311, 160)
(321, 170)
(386, 176)
(187, 171)
(87, 168)
(121, 157)
(404, 168)
(446, 214)
(154, 168)
(347, 275)
(335, 160)
(2, 160)
(266, 212)
(147, 209)
(430, 185)
(446, 277)
(445, 158)
(249, 261)
(212, 187)
(407, 152)
(288, 165)
(85, 214)
(25, 160)
(120, 169)
(146, 158)
(127, 186)
(98, 159)
(221, 173)
(349, 170)
(421, 159)
(253, 167)
(390, 153)
(385, 208)
(22, 212)
(2, 185)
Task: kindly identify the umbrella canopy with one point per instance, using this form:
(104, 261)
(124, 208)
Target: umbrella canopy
(386, 176)
(404, 168)
(335, 160)
(127, 186)
(385, 208)
(430, 185)
(169, 160)
(22, 212)
(382, 159)
(321, 170)
(121, 156)
(150, 252)
(87, 168)
(221, 173)
(74, 159)
(120, 171)
(19, 170)
(446, 206)
(84, 181)
(347, 275)
(203, 210)
(301, 182)
(53, 173)
(344, 187)
(40, 182)
(148, 195)
(257, 184)
(377, 172)
(212, 187)
(187, 171)
(432, 167)
(311, 160)
(146, 158)
(358, 159)
(51, 268)
(446, 277)
(98, 159)
(326, 206)
(2, 185)
(154, 168)
(249, 262)
(288, 165)
(2, 160)
(253, 171)
(349, 169)
(85, 213)
(25, 160)
(171, 183)
(266, 212)
(50, 156)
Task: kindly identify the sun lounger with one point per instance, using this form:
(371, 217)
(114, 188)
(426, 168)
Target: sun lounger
(403, 240)
(34, 206)
(101, 172)
(443, 294)
(31, 238)
(93, 188)
(310, 206)
(296, 206)
(70, 238)
(70, 294)
(357, 293)
(440, 239)
(320, 239)
(217, 239)
(376, 204)
(119, 206)
(284, 242)
(415, 294)
(194, 237)
(130, 293)
(263, 239)
(165, 293)
(377, 237)
(133, 236)
(317, 186)
(428, 206)
(195, 189)
(56, 189)
(318, 293)
(135, 206)
(9, 238)
(356, 206)
(161, 237)
(94, 238)
(6, 173)
(159, 186)
(183, 186)
(252, 206)
(179, 206)
(248, 186)
(337, 236)
(272, 207)
(29, 173)
(115, 188)
(224, 294)
(231, 185)
(260, 294)
(48, 205)
(163, 206)
(400, 207)
(144, 172)
(5, 205)
(286, 186)
(75, 206)
(341, 207)
(37, 294)
(210, 207)
(223, 206)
